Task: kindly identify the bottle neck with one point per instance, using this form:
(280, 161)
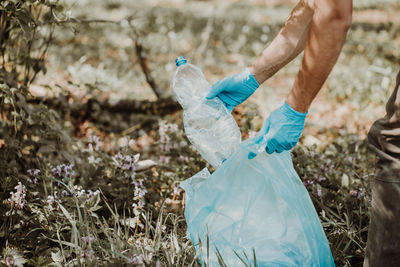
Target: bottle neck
(180, 61)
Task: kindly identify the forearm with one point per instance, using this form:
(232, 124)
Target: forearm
(325, 40)
(287, 44)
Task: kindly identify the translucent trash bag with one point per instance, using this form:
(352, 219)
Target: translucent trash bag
(257, 205)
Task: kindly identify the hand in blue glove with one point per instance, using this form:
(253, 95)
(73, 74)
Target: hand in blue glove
(281, 131)
(235, 89)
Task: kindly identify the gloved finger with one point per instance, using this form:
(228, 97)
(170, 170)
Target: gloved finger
(260, 140)
(215, 90)
(263, 133)
(283, 146)
(270, 149)
(271, 146)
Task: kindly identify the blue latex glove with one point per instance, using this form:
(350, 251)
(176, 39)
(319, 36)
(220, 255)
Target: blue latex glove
(235, 89)
(281, 131)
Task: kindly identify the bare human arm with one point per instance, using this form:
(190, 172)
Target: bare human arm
(322, 26)
(289, 42)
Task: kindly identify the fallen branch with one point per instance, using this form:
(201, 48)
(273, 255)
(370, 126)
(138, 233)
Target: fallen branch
(92, 108)
(141, 54)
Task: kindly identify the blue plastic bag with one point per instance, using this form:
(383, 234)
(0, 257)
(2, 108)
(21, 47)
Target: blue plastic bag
(257, 205)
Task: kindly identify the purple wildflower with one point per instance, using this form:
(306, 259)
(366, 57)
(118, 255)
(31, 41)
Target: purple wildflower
(176, 191)
(164, 129)
(68, 171)
(165, 140)
(359, 192)
(64, 193)
(88, 239)
(135, 260)
(51, 199)
(139, 193)
(34, 173)
(83, 194)
(63, 171)
(91, 194)
(127, 164)
(308, 182)
(17, 198)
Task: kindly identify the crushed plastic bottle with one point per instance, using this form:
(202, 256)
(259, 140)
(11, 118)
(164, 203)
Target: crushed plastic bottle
(208, 124)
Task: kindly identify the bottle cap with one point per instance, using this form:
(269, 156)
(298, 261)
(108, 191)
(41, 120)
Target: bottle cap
(180, 61)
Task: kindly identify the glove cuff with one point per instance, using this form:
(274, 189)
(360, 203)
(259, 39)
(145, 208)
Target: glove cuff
(295, 113)
(250, 80)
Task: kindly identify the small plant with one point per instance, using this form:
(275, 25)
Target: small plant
(338, 180)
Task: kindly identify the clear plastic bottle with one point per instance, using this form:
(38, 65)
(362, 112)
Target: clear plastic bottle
(208, 124)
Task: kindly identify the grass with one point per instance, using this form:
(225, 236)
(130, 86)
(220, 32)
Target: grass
(64, 224)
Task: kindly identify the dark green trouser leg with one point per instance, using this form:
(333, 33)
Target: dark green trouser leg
(383, 246)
